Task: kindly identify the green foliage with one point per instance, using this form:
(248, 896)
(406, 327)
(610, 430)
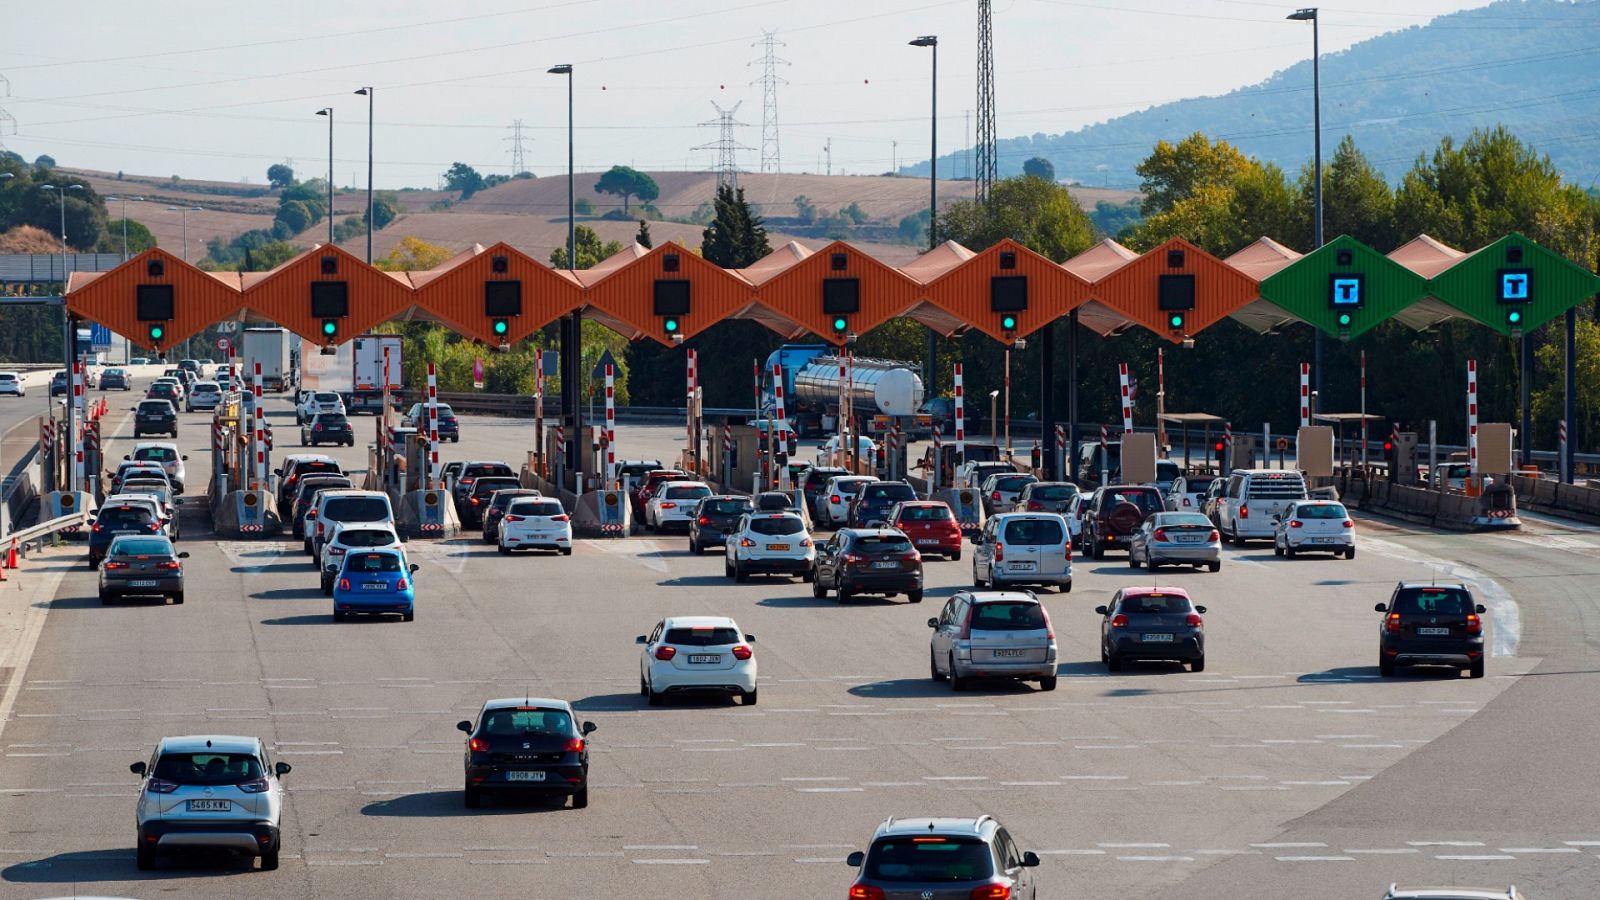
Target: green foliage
(1112, 219)
(1356, 200)
(854, 213)
(464, 178)
(44, 163)
(591, 250)
(279, 175)
(1548, 400)
(385, 209)
(1036, 213)
(1039, 167)
(295, 215)
(1216, 197)
(643, 238)
(413, 254)
(1176, 171)
(139, 238)
(914, 228)
(583, 206)
(806, 209)
(627, 182)
(736, 237)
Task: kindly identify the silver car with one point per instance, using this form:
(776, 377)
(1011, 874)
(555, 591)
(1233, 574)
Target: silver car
(1001, 490)
(1176, 538)
(992, 634)
(211, 791)
(943, 858)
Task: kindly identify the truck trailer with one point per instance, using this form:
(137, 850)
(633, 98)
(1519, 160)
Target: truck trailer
(880, 390)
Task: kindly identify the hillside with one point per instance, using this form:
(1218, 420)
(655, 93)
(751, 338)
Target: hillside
(1532, 65)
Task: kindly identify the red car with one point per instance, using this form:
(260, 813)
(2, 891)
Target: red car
(930, 525)
(647, 487)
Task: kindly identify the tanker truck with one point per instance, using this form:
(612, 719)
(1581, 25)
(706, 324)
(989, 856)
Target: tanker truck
(880, 390)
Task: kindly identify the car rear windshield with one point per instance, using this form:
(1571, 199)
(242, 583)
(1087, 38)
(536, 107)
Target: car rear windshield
(372, 562)
(1270, 485)
(819, 476)
(504, 496)
(882, 544)
(926, 514)
(702, 637)
(155, 406)
(310, 487)
(774, 501)
(141, 546)
(366, 537)
(207, 768)
(1054, 492)
(947, 859)
(778, 525)
(535, 508)
(1034, 532)
(317, 465)
(509, 722)
(123, 515)
(1433, 601)
(1185, 520)
(1330, 511)
(485, 486)
(155, 454)
(1011, 483)
(1005, 615)
(356, 509)
(687, 493)
(1148, 501)
(479, 470)
(325, 397)
(851, 488)
(331, 419)
(888, 490)
(725, 507)
(445, 412)
(1155, 604)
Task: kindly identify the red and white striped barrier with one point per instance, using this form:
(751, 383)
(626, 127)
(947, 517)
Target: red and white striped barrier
(538, 406)
(433, 427)
(691, 382)
(260, 415)
(1127, 398)
(1305, 394)
(1472, 415)
(611, 424)
(961, 416)
(77, 443)
(783, 423)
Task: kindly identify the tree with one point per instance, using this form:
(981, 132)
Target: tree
(806, 209)
(270, 256)
(464, 178)
(413, 254)
(583, 206)
(643, 238)
(591, 250)
(44, 161)
(1041, 215)
(854, 213)
(295, 216)
(913, 229)
(1356, 199)
(1039, 167)
(1172, 172)
(139, 237)
(627, 182)
(385, 209)
(736, 237)
(1217, 198)
(279, 175)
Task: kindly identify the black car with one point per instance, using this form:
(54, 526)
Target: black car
(1431, 625)
(116, 378)
(155, 416)
(496, 510)
(868, 561)
(526, 746)
(1152, 623)
(1047, 496)
(327, 428)
(305, 499)
(875, 500)
(714, 517)
(449, 426)
(471, 471)
(59, 384)
(289, 476)
(471, 509)
(141, 565)
(1115, 512)
(112, 521)
(816, 479)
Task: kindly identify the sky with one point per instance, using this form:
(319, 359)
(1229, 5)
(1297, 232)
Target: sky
(221, 91)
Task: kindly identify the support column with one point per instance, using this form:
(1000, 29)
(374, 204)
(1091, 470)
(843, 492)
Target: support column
(1047, 398)
(1072, 396)
(1568, 401)
(571, 387)
(1525, 438)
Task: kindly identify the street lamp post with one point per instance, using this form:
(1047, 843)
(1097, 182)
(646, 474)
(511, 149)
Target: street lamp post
(994, 417)
(68, 336)
(572, 337)
(369, 92)
(572, 241)
(328, 111)
(1310, 15)
(185, 210)
(124, 223)
(931, 41)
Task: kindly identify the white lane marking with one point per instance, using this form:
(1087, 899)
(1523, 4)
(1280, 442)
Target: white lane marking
(1288, 845)
(1155, 859)
(1582, 843)
(1072, 853)
(660, 847)
(1445, 843)
(672, 862)
(819, 859)
(1131, 846)
(1507, 617)
(1394, 851)
(1540, 850)
(1315, 858)
(1475, 857)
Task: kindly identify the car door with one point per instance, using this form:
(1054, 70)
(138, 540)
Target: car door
(983, 556)
(942, 634)
(1010, 861)
(1105, 621)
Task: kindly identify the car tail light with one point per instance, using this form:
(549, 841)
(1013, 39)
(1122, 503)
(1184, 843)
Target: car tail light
(476, 501)
(741, 651)
(1244, 511)
(666, 653)
(1193, 620)
(153, 527)
(999, 552)
(400, 585)
(705, 520)
(835, 500)
(514, 518)
(1474, 624)
(913, 556)
(335, 550)
(991, 892)
(253, 786)
(1214, 536)
(320, 529)
(994, 495)
(1119, 621)
(467, 479)
(805, 542)
(98, 528)
(478, 745)
(865, 892)
(162, 786)
(855, 558)
(1161, 535)
(344, 584)
(561, 518)
(1348, 524)
(668, 505)
(1294, 523)
(574, 745)
(1393, 622)
(746, 542)
(170, 565)
(1034, 505)
(316, 428)
(115, 565)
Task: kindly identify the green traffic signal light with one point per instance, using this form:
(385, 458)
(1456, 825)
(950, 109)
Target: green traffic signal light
(157, 332)
(1175, 321)
(671, 326)
(1344, 320)
(330, 327)
(1514, 317)
(1009, 323)
(501, 326)
(840, 324)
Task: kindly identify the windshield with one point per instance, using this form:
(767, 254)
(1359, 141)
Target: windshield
(147, 486)
(478, 470)
(888, 491)
(1013, 483)
(849, 488)
(1328, 511)
(946, 859)
(356, 509)
(207, 768)
(156, 454)
(336, 419)
(778, 526)
(325, 397)
(926, 514)
(317, 465)
(123, 516)
(881, 544)
(141, 546)
(486, 486)
(703, 636)
(687, 493)
(1433, 601)
(504, 496)
(155, 406)
(1053, 492)
(1034, 532)
(372, 562)
(1183, 520)
(365, 537)
(1007, 616)
(1147, 501)
(725, 507)
(1154, 604)
(526, 721)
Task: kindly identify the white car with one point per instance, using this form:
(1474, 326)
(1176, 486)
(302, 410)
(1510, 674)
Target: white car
(833, 504)
(673, 504)
(769, 543)
(1314, 526)
(164, 454)
(827, 453)
(345, 506)
(11, 383)
(697, 655)
(535, 522)
(203, 397)
(349, 536)
(210, 791)
(313, 402)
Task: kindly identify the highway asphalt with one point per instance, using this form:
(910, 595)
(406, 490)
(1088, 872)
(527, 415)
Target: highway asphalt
(1286, 769)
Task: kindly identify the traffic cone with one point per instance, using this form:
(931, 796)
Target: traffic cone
(11, 555)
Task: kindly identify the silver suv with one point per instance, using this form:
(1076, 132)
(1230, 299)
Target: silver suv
(943, 859)
(993, 634)
(215, 791)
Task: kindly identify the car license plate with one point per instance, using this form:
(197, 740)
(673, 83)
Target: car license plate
(1020, 566)
(699, 659)
(1009, 654)
(1188, 538)
(926, 542)
(374, 586)
(777, 546)
(1323, 540)
(524, 776)
(143, 582)
(886, 564)
(1433, 631)
(1156, 638)
(210, 805)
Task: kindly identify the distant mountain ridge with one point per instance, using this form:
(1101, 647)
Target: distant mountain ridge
(1532, 65)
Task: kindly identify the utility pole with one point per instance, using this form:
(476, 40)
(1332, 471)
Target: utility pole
(769, 63)
(6, 119)
(966, 144)
(725, 144)
(827, 149)
(518, 166)
(894, 157)
(987, 162)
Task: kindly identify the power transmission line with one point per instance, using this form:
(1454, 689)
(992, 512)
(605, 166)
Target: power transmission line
(6, 119)
(726, 145)
(769, 62)
(987, 162)
(516, 139)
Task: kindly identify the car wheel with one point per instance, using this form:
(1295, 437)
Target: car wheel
(566, 551)
(1214, 566)
(957, 683)
(504, 550)
(338, 616)
(1385, 668)
(817, 590)
(727, 568)
(1477, 669)
(914, 596)
(1198, 665)
(1277, 549)
(1103, 657)
(643, 691)
(1238, 539)
(1048, 683)
(976, 581)
(749, 699)
(1097, 549)
(956, 556)
(807, 576)
(1114, 662)
(327, 588)
(410, 615)
(654, 698)
(1288, 551)
(104, 598)
(471, 798)
(1133, 561)
(178, 598)
(844, 592)
(145, 858)
(580, 798)
(739, 574)
(1350, 553)
(269, 860)
(694, 547)
(933, 667)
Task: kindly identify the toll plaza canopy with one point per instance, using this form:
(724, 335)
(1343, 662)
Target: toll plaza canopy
(499, 294)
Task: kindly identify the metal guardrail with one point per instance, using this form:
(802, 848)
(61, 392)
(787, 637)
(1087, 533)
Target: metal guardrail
(43, 530)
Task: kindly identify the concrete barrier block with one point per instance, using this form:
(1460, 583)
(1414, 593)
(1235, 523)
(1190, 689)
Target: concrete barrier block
(427, 514)
(967, 504)
(602, 514)
(56, 504)
(245, 514)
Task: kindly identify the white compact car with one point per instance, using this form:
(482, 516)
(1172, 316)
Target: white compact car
(535, 523)
(697, 655)
(1314, 526)
(833, 504)
(11, 383)
(348, 536)
(203, 397)
(165, 454)
(673, 504)
(213, 792)
(313, 402)
(769, 543)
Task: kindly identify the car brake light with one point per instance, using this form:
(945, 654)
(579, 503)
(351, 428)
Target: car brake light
(854, 558)
(476, 501)
(1474, 624)
(991, 892)
(805, 542)
(98, 528)
(705, 520)
(1034, 505)
(741, 651)
(1119, 621)
(514, 518)
(865, 892)
(1214, 536)
(162, 786)
(1194, 620)
(1393, 622)
(666, 653)
(344, 584)
(561, 518)
(154, 527)
(995, 495)
(170, 565)
(668, 505)
(1161, 535)
(746, 542)
(115, 565)
(478, 745)
(400, 585)
(835, 500)
(1348, 524)
(253, 786)
(1294, 523)
(574, 745)
(316, 428)
(999, 552)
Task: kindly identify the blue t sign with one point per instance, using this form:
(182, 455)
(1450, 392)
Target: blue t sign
(1516, 285)
(1345, 291)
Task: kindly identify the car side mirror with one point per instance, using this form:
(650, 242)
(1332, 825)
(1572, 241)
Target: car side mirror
(1030, 859)
(127, 456)
(464, 726)
(137, 769)
(855, 859)
(1200, 609)
(177, 501)
(640, 640)
(750, 638)
(1100, 610)
(278, 472)
(413, 567)
(282, 769)
(1482, 609)
(590, 728)
(183, 555)
(933, 623)
(185, 458)
(1381, 607)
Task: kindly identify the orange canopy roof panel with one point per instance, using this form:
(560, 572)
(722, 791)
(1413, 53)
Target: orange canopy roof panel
(112, 298)
(842, 275)
(1008, 279)
(460, 296)
(1216, 288)
(284, 294)
(667, 282)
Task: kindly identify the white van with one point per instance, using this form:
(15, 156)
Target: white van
(1253, 497)
(1023, 548)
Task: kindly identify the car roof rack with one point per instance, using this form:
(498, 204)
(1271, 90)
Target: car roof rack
(977, 825)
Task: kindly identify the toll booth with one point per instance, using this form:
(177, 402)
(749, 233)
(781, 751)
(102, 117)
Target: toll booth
(241, 500)
(1403, 464)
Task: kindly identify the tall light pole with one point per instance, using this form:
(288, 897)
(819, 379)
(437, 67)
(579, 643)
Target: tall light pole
(367, 92)
(185, 210)
(572, 337)
(1310, 15)
(68, 330)
(328, 111)
(124, 223)
(572, 240)
(931, 41)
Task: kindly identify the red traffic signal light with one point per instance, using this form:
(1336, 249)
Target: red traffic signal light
(1388, 446)
(1219, 446)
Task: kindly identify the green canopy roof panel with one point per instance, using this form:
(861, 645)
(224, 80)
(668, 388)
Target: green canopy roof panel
(1344, 288)
(1514, 284)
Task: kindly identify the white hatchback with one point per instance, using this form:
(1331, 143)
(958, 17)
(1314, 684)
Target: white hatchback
(11, 383)
(1314, 526)
(697, 655)
(769, 543)
(535, 523)
(833, 504)
(673, 504)
(353, 536)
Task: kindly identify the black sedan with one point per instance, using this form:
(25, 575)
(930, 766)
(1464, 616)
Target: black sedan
(141, 565)
(528, 746)
(868, 561)
(1152, 623)
(155, 416)
(713, 518)
(327, 428)
(1431, 625)
(477, 500)
(113, 521)
(116, 378)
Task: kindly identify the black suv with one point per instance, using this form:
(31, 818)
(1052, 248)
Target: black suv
(155, 417)
(875, 501)
(713, 518)
(1115, 512)
(1430, 625)
(477, 499)
(526, 746)
(868, 561)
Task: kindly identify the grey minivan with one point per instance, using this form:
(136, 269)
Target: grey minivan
(1023, 548)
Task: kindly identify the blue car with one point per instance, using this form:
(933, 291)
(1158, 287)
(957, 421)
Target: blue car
(374, 583)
